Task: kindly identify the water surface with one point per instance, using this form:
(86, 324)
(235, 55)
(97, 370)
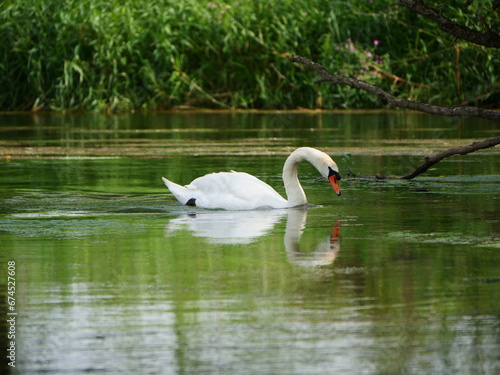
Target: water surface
(114, 276)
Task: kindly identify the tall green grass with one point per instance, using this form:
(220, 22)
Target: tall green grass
(137, 55)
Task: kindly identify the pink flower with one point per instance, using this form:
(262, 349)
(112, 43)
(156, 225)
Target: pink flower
(376, 42)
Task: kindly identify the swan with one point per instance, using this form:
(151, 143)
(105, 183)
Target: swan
(242, 191)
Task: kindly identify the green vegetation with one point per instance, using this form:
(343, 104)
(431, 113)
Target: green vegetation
(136, 55)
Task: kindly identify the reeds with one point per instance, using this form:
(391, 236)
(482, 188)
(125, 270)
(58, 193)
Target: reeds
(137, 55)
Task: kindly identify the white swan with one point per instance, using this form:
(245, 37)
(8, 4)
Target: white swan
(241, 191)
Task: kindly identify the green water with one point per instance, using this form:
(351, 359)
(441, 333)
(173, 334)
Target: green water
(114, 276)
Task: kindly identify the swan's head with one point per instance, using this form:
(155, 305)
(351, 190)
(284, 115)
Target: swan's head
(328, 169)
(321, 161)
(334, 178)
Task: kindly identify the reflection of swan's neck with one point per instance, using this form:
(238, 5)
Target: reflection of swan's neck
(324, 252)
(295, 223)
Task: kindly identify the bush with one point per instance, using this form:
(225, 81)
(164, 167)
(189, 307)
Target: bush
(138, 55)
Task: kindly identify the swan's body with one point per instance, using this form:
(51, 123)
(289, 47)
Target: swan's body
(241, 191)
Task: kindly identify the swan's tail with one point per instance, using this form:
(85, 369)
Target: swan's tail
(182, 194)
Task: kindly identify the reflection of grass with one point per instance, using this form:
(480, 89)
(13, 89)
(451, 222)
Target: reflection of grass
(446, 238)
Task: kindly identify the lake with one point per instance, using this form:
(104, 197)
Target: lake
(113, 275)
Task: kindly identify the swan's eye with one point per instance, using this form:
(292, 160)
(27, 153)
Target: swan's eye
(331, 172)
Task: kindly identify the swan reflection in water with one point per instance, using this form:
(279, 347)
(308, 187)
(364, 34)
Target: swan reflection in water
(245, 227)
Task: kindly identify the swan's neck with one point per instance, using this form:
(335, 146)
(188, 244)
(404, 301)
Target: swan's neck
(321, 161)
(294, 192)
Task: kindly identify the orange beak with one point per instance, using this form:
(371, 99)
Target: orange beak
(335, 183)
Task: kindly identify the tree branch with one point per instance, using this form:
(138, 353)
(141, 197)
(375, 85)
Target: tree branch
(461, 150)
(487, 38)
(385, 97)
(434, 159)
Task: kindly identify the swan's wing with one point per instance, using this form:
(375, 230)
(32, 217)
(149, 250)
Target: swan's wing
(234, 191)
